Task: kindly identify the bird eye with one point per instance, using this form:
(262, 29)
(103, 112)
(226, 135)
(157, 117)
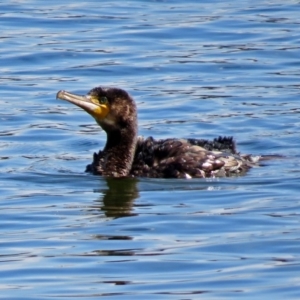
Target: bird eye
(103, 100)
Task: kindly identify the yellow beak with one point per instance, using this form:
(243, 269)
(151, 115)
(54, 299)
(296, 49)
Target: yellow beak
(89, 103)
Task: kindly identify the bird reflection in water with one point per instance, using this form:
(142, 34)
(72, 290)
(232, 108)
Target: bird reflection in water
(119, 197)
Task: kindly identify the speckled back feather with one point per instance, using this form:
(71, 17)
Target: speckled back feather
(180, 158)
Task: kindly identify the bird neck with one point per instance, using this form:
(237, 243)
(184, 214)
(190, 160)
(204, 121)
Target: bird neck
(119, 151)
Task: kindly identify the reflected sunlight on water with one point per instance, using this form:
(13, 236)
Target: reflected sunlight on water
(196, 70)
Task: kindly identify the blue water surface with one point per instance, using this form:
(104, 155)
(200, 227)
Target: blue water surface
(196, 69)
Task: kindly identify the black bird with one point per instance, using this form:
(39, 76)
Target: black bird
(127, 155)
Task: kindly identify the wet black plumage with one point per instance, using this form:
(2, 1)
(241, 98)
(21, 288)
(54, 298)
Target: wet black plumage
(125, 154)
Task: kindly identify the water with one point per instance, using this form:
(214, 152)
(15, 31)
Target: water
(196, 70)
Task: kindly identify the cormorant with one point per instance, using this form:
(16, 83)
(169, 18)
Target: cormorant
(127, 155)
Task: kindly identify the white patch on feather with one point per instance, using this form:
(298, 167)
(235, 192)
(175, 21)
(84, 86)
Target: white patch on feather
(206, 165)
(188, 176)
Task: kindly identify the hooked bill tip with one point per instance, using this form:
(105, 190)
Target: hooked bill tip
(59, 94)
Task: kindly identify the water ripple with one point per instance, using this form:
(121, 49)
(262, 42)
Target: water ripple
(196, 69)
